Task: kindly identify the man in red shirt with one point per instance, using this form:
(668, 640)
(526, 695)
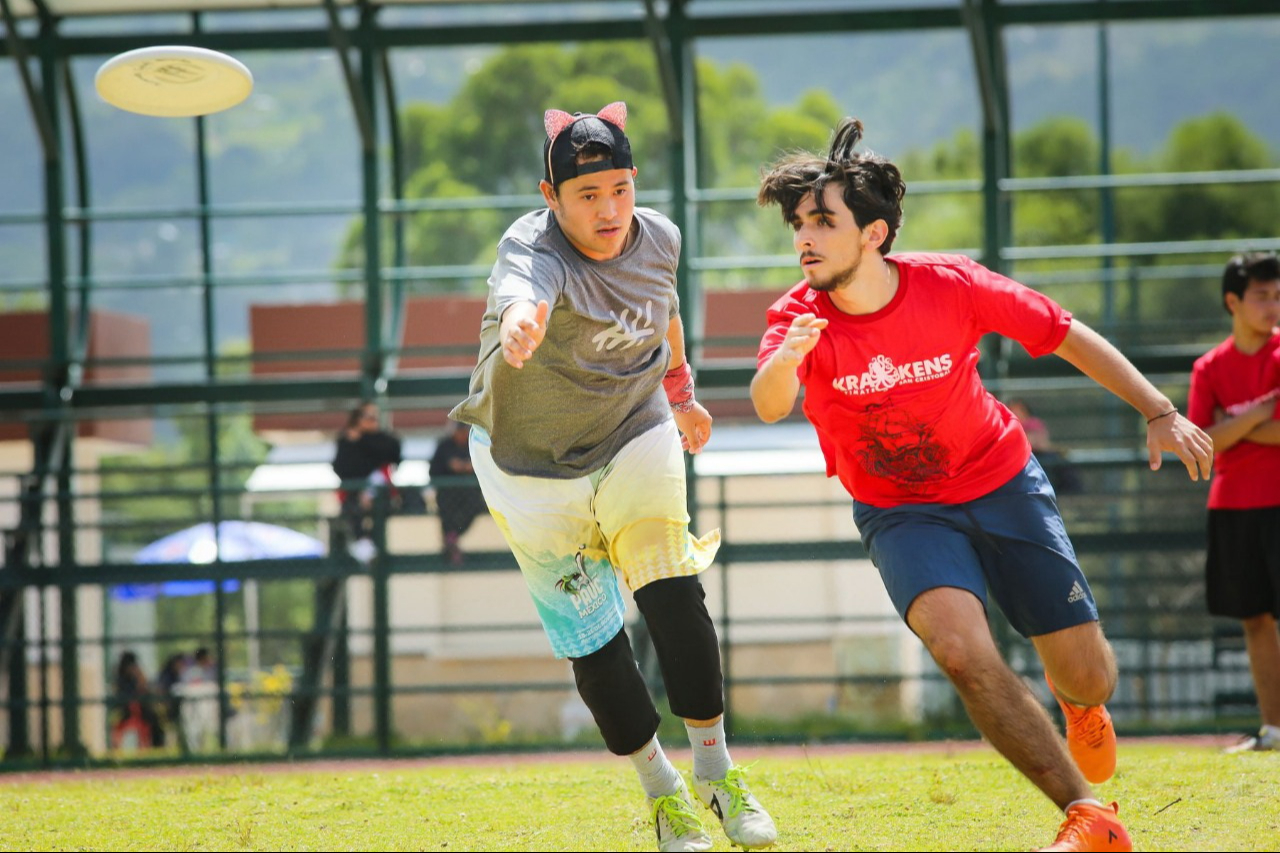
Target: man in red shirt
(947, 495)
(1233, 397)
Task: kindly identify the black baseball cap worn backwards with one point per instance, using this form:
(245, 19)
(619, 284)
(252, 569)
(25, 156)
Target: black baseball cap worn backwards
(567, 134)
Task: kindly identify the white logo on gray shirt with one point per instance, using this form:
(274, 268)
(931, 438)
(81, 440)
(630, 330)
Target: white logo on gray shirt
(626, 331)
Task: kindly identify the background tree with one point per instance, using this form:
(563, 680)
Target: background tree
(486, 141)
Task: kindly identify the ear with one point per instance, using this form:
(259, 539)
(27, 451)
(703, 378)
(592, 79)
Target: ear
(615, 113)
(875, 234)
(549, 195)
(555, 121)
(1232, 303)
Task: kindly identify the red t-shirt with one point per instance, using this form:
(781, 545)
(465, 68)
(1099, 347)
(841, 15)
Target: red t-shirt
(901, 414)
(1247, 474)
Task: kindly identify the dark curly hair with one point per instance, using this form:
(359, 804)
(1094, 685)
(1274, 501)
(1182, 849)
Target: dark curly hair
(872, 186)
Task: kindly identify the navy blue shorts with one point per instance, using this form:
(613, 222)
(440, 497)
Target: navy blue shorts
(1011, 540)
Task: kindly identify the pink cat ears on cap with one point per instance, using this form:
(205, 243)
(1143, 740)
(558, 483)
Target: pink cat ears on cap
(568, 135)
(556, 121)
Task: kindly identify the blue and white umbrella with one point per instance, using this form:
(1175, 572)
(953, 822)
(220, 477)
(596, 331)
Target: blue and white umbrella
(238, 540)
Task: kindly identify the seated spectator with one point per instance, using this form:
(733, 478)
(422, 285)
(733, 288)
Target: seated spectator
(198, 692)
(458, 495)
(365, 458)
(170, 675)
(136, 703)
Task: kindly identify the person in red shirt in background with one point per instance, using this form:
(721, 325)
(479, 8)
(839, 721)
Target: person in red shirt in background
(947, 494)
(1233, 396)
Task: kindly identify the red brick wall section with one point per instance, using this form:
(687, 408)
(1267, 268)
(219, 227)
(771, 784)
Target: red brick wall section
(452, 322)
(24, 344)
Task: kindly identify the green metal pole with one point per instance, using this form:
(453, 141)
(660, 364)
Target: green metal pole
(684, 176)
(726, 647)
(373, 373)
(214, 469)
(63, 444)
(211, 421)
(395, 325)
(1106, 195)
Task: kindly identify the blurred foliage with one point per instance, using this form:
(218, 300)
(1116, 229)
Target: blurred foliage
(488, 138)
(485, 141)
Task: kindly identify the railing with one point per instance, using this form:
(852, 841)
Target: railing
(865, 676)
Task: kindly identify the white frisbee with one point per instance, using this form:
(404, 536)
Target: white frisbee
(173, 80)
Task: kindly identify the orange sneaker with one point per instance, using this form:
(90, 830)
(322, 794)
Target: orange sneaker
(1090, 737)
(1090, 827)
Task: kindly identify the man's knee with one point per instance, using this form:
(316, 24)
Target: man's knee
(684, 638)
(611, 686)
(1081, 664)
(962, 659)
(1088, 685)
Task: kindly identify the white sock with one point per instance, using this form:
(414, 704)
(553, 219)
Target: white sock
(658, 776)
(1085, 802)
(710, 752)
(1269, 731)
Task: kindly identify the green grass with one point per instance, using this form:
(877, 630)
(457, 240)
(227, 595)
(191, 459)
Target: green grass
(1172, 798)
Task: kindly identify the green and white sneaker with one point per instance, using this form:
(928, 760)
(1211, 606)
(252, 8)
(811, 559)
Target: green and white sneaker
(745, 821)
(678, 826)
(1266, 740)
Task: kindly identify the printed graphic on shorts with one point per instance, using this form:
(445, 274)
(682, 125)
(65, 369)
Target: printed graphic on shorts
(883, 375)
(895, 446)
(582, 587)
(578, 599)
(626, 330)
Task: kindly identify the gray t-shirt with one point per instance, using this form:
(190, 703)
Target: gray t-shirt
(595, 382)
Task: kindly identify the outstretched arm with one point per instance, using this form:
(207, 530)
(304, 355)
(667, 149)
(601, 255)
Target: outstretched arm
(775, 386)
(1167, 429)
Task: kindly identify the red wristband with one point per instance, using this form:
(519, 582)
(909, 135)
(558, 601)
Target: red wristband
(678, 383)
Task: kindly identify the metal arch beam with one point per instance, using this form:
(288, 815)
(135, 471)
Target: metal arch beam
(1096, 11)
(988, 61)
(342, 44)
(17, 49)
(660, 38)
(993, 85)
(394, 323)
(79, 349)
(939, 17)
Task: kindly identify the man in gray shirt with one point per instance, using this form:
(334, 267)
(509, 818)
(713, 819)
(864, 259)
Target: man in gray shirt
(580, 404)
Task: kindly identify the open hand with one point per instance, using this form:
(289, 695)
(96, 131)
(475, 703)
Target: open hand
(695, 428)
(801, 338)
(522, 335)
(1181, 437)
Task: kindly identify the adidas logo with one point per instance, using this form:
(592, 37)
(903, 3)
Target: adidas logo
(1076, 594)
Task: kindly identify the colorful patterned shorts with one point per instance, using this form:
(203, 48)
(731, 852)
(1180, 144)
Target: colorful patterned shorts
(573, 539)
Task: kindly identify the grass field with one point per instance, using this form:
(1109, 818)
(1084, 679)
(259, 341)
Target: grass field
(1171, 797)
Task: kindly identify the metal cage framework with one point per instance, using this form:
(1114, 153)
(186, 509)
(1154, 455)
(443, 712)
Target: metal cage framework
(40, 47)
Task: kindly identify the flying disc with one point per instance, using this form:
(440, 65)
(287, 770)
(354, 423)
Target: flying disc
(173, 80)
